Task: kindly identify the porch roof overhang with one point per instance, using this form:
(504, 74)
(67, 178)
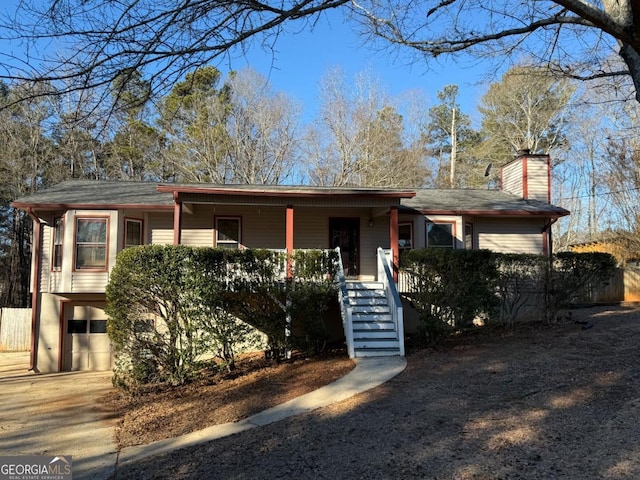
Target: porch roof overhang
(280, 195)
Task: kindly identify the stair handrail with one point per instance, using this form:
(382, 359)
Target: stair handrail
(393, 297)
(346, 310)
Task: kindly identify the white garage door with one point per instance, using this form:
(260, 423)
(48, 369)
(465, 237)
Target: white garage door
(87, 345)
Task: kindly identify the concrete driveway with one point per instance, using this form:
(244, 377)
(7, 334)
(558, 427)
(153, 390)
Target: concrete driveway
(56, 414)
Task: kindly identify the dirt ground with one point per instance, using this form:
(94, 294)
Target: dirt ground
(532, 402)
(220, 397)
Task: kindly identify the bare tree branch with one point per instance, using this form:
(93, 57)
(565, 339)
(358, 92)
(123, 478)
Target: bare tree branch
(80, 44)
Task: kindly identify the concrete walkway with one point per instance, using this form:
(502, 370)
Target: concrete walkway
(57, 414)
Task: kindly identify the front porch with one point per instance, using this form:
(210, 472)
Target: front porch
(356, 221)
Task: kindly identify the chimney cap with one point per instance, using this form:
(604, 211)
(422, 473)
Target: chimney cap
(523, 151)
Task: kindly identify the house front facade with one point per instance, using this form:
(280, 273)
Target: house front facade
(81, 225)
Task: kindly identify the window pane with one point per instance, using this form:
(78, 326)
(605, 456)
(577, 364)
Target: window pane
(58, 235)
(91, 243)
(77, 326)
(57, 256)
(98, 326)
(90, 256)
(133, 234)
(58, 230)
(229, 230)
(468, 236)
(91, 230)
(440, 235)
(405, 236)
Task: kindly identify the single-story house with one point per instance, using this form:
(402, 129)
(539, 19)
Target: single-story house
(81, 225)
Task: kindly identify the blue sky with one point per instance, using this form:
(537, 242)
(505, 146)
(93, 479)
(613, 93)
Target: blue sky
(302, 59)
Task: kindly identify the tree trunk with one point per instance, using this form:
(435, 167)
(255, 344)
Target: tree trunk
(454, 149)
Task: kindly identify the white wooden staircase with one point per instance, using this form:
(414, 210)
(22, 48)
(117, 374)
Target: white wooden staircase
(374, 331)
(372, 313)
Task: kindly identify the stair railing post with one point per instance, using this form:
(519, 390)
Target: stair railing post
(345, 308)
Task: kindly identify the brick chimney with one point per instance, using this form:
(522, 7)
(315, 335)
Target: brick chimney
(528, 176)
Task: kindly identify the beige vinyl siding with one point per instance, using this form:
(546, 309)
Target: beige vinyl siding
(538, 179)
(510, 235)
(370, 239)
(197, 228)
(262, 227)
(512, 178)
(311, 227)
(89, 282)
(160, 228)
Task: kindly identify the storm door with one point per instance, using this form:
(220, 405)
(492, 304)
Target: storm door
(345, 233)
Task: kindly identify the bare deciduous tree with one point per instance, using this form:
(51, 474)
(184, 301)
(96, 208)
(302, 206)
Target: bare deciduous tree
(98, 39)
(358, 138)
(262, 128)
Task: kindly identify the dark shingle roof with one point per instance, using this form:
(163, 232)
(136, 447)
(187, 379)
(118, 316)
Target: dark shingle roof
(95, 194)
(467, 201)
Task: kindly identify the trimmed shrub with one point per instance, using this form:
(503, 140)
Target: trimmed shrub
(520, 283)
(451, 287)
(169, 305)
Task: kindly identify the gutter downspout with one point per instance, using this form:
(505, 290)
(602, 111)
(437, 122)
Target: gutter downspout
(35, 285)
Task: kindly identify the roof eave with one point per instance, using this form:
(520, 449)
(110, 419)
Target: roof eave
(499, 213)
(88, 206)
(303, 193)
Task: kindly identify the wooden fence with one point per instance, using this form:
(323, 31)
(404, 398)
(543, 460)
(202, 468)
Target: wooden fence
(15, 329)
(624, 286)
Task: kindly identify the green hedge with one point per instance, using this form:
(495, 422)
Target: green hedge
(453, 288)
(169, 305)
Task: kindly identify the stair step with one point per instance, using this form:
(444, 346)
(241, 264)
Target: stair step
(373, 324)
(368, 301)
(371, 317)
(374, 334)
(371, 309)
(382, 334)
(366, 293)
(368, 342)
(365, 285)
(377, 352)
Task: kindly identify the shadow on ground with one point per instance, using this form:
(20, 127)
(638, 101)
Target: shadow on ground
(545, 402)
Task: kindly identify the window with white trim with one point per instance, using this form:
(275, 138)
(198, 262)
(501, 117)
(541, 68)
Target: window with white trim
(91, 243)
(228, 232)
(132, 233)
(440, 235)
(58, 236)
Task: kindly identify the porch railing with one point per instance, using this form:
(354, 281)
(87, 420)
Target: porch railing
(391, 293)
(345, 307)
